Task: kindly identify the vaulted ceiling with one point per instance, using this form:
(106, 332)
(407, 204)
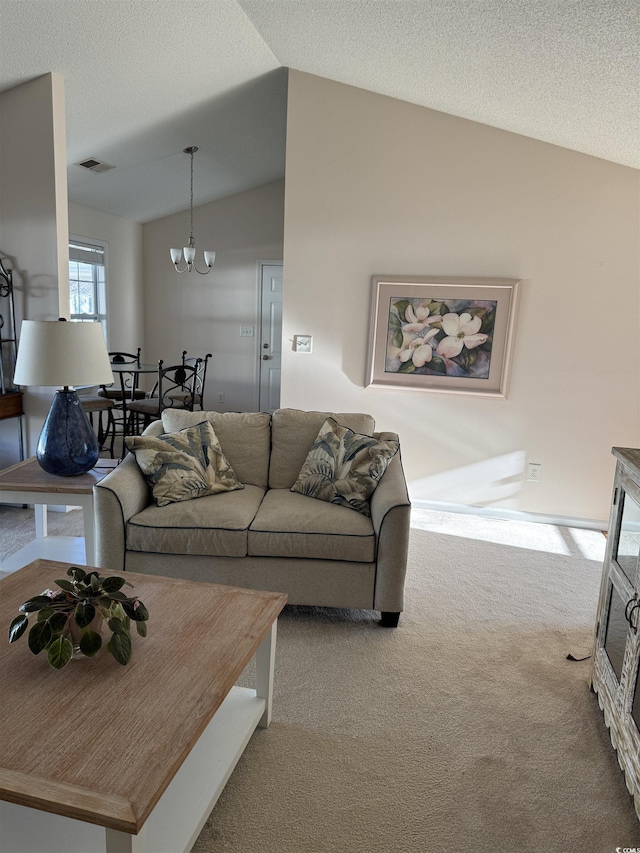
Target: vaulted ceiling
(144, 79)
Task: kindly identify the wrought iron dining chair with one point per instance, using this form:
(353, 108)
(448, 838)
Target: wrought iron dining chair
(198, 391)
(121, 393)
(95, 404)
(130, 387)
(175, 389)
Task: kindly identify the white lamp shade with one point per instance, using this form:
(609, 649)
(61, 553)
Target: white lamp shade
(57, 352)
(176, 255)
(209, 258)
(189, 254)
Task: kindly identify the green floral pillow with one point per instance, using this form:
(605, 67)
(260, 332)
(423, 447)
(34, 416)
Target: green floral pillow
(344, 467)
(183, 465)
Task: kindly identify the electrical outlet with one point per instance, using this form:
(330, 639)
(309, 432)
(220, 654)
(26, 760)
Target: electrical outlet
(534, 472)
(246, 331)
(221, 398)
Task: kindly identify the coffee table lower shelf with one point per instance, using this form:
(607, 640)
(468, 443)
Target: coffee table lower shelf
(180, 814)
(66, 549)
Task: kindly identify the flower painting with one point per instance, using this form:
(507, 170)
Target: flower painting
(442, 334)
(432, 335)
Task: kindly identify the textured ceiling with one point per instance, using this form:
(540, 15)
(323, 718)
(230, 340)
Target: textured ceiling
(146, 78)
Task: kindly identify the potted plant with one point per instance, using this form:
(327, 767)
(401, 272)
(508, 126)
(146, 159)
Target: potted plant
(69, 620)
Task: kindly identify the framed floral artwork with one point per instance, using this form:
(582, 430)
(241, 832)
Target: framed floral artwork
(442, 334)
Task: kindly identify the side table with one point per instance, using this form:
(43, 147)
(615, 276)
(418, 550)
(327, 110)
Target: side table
(27, 483)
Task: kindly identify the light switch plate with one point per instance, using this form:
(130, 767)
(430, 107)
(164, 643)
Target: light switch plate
(246, 331)
(302, 343)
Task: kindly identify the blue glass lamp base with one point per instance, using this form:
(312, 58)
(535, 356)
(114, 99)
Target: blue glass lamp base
(67, 445)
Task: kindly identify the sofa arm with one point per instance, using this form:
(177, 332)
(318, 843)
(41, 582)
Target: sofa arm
(122, 494)
(391, 517)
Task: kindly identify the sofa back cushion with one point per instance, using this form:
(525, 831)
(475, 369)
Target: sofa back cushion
(292, 434)
(244, 437)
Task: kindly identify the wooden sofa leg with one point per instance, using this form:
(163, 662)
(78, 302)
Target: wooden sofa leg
(389, 620)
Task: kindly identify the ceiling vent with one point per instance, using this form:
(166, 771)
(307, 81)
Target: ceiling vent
(95, 165)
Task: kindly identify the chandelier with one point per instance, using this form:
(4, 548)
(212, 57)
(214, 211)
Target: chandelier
(190, 250)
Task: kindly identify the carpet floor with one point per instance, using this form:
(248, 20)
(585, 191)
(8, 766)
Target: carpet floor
(466, 728)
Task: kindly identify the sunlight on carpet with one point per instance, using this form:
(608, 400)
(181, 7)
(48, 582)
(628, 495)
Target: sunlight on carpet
(534, 536)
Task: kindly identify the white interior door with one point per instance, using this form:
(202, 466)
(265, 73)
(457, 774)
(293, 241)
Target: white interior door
(270, 354)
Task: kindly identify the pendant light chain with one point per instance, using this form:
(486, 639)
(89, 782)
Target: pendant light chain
(191, 205)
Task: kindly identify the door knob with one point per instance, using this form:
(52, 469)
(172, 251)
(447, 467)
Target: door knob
(266, 357)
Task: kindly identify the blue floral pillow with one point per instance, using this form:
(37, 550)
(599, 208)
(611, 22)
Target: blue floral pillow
(344, 467)
(183, 465)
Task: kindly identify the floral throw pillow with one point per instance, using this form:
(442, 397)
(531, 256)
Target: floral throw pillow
(344, 467)
(183, 465)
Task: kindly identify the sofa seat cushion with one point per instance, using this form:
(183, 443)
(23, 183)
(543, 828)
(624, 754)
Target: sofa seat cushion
(293, 525)
(214, 525)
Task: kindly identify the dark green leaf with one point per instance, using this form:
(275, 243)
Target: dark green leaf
(58, 621)
(488, 322)
(45, 613)
(407, 367)
(398, 338)
(141, 614)
(394, 320)
(438, 308)
(17, 628)
(401, 308)
(113, 583)
(90, 643)
(35, 603)
(120, 647)
(487, 345)
(141, 628)
(117, 596)
(76, 572)
(117, 626)
(470, 357)
(65, 584)
(60, 652)
(95, 583)
(39, 637)
(437, 365)
(84, 613)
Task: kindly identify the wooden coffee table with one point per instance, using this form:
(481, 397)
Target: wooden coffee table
(26, 482)
(101, 757)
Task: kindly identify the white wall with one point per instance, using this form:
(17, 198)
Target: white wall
(33, 223)
(124, 272)
(204, 313)
(378, 186)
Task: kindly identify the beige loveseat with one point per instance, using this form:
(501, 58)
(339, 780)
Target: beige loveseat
(263, 536)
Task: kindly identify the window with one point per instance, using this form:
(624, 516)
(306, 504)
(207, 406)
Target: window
(87, 283)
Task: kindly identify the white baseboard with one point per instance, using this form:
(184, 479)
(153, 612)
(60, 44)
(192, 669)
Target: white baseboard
(512, 514)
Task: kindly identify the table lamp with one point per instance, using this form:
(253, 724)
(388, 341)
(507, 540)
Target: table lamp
(58, 352)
